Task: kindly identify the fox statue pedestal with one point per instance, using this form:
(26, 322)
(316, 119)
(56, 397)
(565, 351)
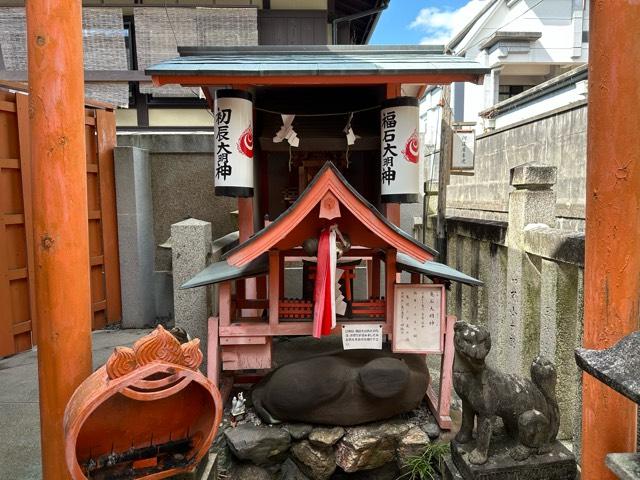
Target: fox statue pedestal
(558, 463)
(527, 407)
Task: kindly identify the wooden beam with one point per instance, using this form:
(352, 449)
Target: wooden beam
(288, 328)
(22, 110)
(444, 173)
(394, 90)
(224, 299)
(111, 76)
(213, 352)
(106, 141)
(259, 80)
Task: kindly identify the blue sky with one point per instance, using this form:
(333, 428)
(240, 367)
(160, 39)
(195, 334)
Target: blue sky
(423, 21)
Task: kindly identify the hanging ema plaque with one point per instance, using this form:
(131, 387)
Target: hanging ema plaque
(400, 150)
(234, 143)
(419, 318)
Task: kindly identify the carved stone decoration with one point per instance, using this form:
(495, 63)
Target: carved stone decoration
(528, 408)
(147, 413)
(346, 388)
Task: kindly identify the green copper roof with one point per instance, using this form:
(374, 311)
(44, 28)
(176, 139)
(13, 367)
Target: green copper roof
(222, 271)
(434, 269)
(269, 60)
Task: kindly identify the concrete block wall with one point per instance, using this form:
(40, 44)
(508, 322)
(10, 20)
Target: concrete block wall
(161, 179)
(135, 236)
(181, 170)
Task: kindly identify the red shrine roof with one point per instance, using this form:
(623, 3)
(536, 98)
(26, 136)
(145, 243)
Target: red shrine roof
(356, 217)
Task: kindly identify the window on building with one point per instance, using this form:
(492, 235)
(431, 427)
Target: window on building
(508, 91)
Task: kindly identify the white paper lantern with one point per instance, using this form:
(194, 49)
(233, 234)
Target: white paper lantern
(234, 144)
(400, 150)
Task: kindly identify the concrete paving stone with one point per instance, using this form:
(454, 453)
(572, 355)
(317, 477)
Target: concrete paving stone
(19, 409)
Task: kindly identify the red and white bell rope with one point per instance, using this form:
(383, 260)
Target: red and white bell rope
(324, 313)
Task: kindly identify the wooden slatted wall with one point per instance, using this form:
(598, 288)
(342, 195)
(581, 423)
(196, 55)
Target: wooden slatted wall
(17, 311)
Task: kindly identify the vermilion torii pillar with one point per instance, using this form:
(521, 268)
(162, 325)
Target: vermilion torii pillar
(60, 225)
(612, 260)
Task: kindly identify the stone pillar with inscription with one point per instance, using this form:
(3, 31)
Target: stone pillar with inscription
(532, 202)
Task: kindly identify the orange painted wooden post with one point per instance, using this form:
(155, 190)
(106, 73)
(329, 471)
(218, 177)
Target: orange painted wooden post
(59, 182)
(245, 230)
(612, 263)
(106, 140)
(274, 287)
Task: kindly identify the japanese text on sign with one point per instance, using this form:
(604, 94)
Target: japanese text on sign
(463, 150)
(418, 320)
(389, 150)
(223, 167)
(362, 336)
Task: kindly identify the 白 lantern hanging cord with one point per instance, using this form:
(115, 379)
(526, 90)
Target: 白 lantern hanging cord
(330, 114)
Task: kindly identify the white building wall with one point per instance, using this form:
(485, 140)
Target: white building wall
(554, 100)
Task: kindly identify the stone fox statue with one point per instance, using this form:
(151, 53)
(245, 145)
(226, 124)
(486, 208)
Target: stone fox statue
(528, 408)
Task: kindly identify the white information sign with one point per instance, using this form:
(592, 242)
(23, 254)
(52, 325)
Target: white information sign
(464, 142)
(362, 336)
(419, 318)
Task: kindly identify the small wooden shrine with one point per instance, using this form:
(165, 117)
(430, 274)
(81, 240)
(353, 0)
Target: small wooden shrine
(318, 140)
(412, 315)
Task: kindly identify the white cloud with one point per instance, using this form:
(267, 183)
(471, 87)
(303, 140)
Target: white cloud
(440, 24)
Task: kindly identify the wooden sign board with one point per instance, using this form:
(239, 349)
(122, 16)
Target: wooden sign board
(463, 150)
(419, 318)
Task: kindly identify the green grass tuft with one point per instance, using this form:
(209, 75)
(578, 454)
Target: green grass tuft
(428, 464)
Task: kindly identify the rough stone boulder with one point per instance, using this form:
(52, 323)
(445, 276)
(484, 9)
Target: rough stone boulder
(411, 444)
(432, 429)
(258, 445)
(298, 431)
(370, 446)
(291, 471)
(318, 463)
(325, 437)
(249, 472)
(345, 388)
